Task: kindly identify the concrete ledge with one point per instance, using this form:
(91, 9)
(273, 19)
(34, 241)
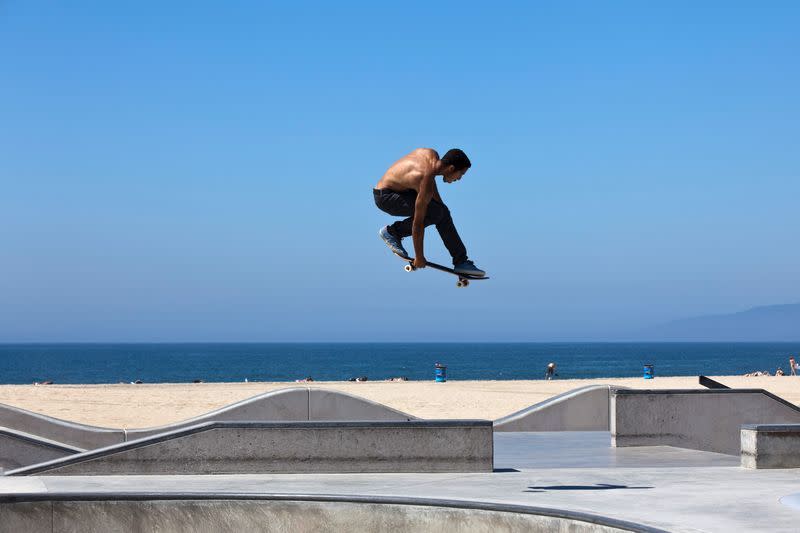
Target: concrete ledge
(292, 512)
(583, 409)
(19, 449)
(770, 446)
(292, 447)
(699, 419)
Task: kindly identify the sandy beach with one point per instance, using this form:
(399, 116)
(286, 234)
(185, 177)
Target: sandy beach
(146, 405)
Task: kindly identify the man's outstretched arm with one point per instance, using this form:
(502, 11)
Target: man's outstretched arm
(436, 193)
(426, 190)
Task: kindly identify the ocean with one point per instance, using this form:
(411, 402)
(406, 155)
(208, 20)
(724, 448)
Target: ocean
(183, 363)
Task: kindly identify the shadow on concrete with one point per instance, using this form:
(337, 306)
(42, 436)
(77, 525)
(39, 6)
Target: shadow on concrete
(596, 486)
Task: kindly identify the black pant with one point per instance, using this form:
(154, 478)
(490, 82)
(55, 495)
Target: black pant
(401, 204)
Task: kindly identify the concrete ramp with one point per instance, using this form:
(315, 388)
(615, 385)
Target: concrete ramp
(583, 409)
(295, 403)
(273, 513)
(19, 449)
(699, 419)
(333, 405)
(284, 404)
(61, 431)
(291, 447)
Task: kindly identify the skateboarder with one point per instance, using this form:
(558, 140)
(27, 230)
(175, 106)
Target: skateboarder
(408, 189)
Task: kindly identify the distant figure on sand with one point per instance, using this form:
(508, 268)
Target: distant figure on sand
(408, 189)
(792, 366)
(551, 371)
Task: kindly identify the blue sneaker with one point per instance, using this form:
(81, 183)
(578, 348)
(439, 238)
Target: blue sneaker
(469, 268)
(393, 242)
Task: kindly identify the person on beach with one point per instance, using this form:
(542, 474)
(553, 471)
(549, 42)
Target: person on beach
(550, 372)
(792, 366)
(408, 189)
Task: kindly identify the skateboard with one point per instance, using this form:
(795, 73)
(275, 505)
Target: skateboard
(463, 279)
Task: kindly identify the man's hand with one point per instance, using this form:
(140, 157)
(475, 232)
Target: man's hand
(420, 262)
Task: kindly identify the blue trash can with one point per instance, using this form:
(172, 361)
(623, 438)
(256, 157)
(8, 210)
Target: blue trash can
(648, 372)
(441, 373)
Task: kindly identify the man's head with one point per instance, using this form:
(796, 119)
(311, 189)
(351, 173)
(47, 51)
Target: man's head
(455, 164)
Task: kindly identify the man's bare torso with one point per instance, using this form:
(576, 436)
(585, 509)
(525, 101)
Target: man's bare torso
(408, 172)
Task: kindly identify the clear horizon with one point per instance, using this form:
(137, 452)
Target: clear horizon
(632, 342)
(186, 172)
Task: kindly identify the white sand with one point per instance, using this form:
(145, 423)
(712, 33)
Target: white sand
(134, 406)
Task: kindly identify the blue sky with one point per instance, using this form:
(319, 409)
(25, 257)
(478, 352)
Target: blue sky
(202, 171)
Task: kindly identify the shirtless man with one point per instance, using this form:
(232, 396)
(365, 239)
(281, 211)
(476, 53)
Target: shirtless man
(408, 189)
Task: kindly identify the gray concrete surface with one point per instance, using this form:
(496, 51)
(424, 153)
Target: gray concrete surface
(583, 409)
(258, 447)
(698, 419)
(333, 405)
(674, 489)
(770, 446)
(19, 449)
(56, 430)
(283, 514)
(685, 491)
(592, 449)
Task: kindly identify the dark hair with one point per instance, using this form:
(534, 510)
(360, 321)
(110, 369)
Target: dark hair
(457, 158)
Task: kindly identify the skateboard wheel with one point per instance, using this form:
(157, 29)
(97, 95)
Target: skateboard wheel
(465, 282)
(459, 284)
(409, 268)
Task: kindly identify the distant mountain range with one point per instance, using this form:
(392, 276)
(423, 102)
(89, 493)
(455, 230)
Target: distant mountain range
(759, 324)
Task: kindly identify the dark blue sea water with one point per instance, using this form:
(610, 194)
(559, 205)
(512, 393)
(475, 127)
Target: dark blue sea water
(153, 363)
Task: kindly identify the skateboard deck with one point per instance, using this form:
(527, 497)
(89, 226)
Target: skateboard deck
(463, 279)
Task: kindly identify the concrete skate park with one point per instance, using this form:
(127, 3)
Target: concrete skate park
(597, 458)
